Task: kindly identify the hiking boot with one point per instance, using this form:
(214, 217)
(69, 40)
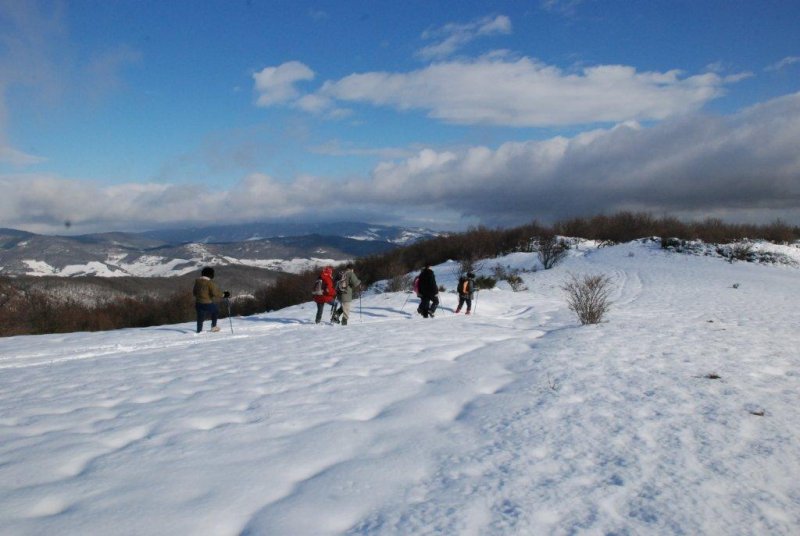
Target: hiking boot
(466, 313)
(458, 310)
(214, 329)
(344, 321)
(430, 315)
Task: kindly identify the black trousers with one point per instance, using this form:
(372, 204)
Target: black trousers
(428, 305)
(203, 309)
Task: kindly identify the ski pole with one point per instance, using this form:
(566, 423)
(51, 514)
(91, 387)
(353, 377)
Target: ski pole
(405, 302)
(230, 314)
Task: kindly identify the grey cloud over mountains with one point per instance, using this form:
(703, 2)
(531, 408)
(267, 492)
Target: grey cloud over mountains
(695, 165)
(743, 166)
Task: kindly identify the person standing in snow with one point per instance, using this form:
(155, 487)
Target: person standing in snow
(324, 291)
(466, 287)
(428, 291)
(205, 293)
(346, 284)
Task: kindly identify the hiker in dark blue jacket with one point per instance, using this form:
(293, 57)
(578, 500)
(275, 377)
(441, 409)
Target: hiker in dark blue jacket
(428, 291)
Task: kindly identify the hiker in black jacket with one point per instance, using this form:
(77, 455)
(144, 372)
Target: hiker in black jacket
(428, 291)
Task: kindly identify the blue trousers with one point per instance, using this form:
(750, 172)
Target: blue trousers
(203, 309)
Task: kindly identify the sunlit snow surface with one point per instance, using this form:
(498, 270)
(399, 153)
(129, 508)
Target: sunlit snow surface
(515, 420)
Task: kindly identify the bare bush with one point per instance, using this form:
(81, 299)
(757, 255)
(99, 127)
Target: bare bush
(588, 297)
(510, 276)
(398, 280)
(741, 251)
(551, 251)
(467, 264)
(484, 282)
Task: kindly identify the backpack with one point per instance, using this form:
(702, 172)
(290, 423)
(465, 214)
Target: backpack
(463, 285)
(319, 287)
(341, 283)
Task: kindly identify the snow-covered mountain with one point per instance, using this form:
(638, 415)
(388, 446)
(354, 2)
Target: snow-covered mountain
(257, 231)
(677, 415)
(175, 253)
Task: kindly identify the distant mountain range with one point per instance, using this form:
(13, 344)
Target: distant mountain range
(286, 247)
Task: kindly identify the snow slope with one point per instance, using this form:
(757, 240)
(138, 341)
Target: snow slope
(515, 420)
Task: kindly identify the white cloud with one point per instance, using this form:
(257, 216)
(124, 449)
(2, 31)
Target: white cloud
(526, 93)
(453, 36)
(563, 7)
(276, 85)
(782, 64)
(742, 166)
(14, 157)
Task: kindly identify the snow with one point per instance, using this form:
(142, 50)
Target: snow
(39, 268)
(678, 415)
(294, 266)
(157, 266)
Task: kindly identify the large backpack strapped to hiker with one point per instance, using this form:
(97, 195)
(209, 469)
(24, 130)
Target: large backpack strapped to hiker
(320, 287)
(341, 283)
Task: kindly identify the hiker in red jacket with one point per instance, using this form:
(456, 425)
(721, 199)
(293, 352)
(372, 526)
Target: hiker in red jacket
(324, 291)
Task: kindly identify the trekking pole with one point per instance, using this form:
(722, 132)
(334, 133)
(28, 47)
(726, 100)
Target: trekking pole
(230, 314)
(360, 318)
(405, 302)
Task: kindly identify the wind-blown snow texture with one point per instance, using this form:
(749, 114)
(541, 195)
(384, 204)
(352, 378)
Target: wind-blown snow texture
(515, 420)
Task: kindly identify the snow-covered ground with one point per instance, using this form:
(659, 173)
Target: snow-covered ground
(678, 415)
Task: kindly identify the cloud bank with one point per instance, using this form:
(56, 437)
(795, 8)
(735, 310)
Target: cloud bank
(743, 166)
(497, 90)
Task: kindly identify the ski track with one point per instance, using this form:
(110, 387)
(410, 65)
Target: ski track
(537, 426)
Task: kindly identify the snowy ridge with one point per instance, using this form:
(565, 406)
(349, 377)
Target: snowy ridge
(156, 266)
(676, 416)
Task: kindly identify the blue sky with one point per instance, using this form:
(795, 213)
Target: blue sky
(129, 115)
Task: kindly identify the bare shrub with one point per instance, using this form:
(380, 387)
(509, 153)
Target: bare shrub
(741, 251)
(398, 280)
(484, 282)
(510, 276)
(551, 251)
(467, 264)
(588, 297)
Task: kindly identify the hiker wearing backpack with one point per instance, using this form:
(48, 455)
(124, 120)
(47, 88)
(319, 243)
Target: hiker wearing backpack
(466, 287)
(324, 291)
(346, 284)
(205, 293)
(428, 291)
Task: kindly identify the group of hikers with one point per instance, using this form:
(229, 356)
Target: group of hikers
(338, 292)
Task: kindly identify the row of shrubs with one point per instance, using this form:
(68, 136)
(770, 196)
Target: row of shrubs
(35, 312)
(627, 226)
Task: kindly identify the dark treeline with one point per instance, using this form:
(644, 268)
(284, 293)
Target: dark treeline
(627, 226)
(36, 312)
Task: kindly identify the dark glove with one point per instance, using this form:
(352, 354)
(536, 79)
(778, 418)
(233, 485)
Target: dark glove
(226, 294)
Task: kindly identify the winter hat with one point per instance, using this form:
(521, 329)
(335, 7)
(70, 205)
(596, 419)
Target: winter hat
(208, 272)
